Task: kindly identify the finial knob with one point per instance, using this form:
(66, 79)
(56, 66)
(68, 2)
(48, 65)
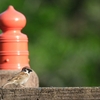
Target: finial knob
(12, 19)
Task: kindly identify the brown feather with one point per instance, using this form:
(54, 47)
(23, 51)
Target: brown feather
(19, 76)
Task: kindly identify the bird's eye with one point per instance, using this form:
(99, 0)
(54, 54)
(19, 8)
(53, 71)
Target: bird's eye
(25, 70)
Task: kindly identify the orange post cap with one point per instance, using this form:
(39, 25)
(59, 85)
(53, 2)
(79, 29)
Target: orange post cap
(13, 44)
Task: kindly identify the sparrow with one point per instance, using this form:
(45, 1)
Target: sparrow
(21, 78)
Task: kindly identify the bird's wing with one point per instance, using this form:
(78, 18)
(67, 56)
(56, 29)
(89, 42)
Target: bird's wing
(19, 76)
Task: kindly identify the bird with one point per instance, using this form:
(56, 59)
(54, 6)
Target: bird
(21, 78)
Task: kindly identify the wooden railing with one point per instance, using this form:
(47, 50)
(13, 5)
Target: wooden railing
(51, 93)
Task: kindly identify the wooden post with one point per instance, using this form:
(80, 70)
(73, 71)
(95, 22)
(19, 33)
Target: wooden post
(14, 47)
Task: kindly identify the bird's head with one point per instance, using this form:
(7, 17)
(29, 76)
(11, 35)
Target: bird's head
(26, 69)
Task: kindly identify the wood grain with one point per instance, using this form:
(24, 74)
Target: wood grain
(51, 93)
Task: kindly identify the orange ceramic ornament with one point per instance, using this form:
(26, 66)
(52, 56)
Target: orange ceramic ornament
(13, 44)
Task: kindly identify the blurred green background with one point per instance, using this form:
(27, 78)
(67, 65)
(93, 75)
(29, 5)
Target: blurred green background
(64, 40)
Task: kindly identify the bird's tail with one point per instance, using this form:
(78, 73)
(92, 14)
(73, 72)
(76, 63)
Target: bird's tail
(6, 84)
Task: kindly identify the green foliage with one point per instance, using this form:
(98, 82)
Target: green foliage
(64, 40)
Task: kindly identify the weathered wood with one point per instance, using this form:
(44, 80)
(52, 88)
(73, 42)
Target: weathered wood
(52, 93)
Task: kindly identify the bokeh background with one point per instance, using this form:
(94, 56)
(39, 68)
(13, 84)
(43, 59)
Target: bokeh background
(64, 40)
